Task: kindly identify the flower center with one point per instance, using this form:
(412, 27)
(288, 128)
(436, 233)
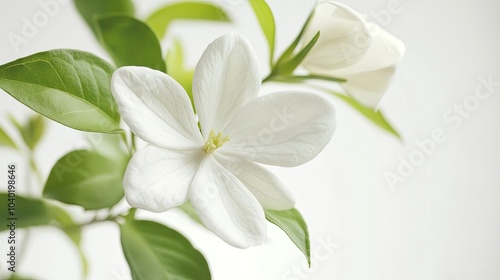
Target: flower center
(215, 141)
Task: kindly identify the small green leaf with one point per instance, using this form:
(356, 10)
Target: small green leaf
(375, 117)
(33, 131)
(267, 24)
(292, 223)
(291, 49)
(88, 179)
(15, 123)
(300, 79)
(154, 252)
(130, 42)
(6, 140)
(28, 211)
(178, 71)
(187, 10)
(91, 9)
(68, 86)
(288, 67)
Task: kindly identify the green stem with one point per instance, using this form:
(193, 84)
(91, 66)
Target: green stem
(301, 78)
(270, 77)
(110, 218)
(35, 169)
(132, 136)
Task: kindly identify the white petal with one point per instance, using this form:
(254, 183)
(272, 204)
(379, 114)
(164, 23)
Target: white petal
(226, 207)
(226, 77)
(155, 107)
(264, 185)
(285, 129)
(369, 87)
(344, 38)
(158, 179)
(386, 51)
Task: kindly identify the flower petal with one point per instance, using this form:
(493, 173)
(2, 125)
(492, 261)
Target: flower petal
(158, 179)
(155, 107)
(386, 51)
(264, 185)
(369, 87)
(344, 39)
(226, 207)
(284, 128)
(226, 77)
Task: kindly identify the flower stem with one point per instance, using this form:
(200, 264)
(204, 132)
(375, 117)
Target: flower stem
(132, 140)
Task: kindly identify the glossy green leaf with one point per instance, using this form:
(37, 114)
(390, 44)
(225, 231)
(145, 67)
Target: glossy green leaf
(156, 252)
(376, 117)
(6, 140)
(178, 71)
(267, 24)
(288, 67)
(87, 178)
(68, 86)
(130, 42)
(186, 10)
(92, 9)
(28, 211)
(33, 131)
(292, 223)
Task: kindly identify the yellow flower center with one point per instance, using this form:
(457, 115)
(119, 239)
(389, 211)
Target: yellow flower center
(215, 141)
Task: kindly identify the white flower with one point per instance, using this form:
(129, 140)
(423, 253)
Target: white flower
(351, 48)
(218, 168)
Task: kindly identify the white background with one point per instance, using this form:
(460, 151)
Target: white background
(441, 223)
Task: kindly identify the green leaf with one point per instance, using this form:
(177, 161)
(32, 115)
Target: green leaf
(267, 24)
(15, 123)
(36, 212)
(29, 211)
(292, 223)
(376, 117)
(130, 42)
(68, 86)
(72, 230)
(87, 178)
(33, 131)
(178, 71)
(15, 276)
(6, 140)
(91, 9)
(290, 50)
(156, 252)
(187, 10)
(288, 67)
(300, 79)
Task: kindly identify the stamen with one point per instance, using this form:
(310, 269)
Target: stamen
(215, 141)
